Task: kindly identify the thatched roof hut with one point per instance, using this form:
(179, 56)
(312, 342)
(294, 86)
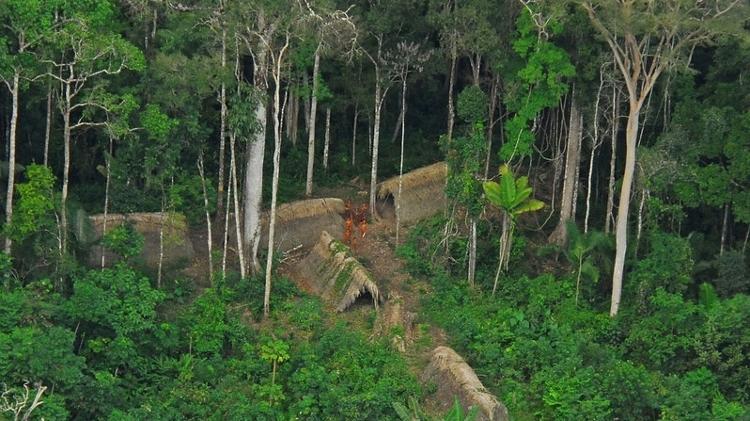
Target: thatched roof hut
(422, 194)
(336, 276)
(178, 249)
(454, 378)
(300, 223)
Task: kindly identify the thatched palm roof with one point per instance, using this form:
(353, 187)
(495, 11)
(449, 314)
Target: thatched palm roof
(454, 378)
(422, 192)
(420, 178)
(300, 223)
(337, 276)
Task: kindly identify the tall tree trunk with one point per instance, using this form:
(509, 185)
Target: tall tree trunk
(209, 234)
(594, 145)
(375, 144)
(399, 125)
(506, 224)
(724, 224)
(235, 197)
(639, 228)
(306, 83)
(401, 161)
(369, 136)
(226, 228)
(451, 84)
(48, 126)
(354, 135)
(274, 182)
(476, 68)
(472, 253)
(327, 144)
(491, 124)
(254, 168)
(294, 111)
(66, 172)
(572, 161)
(288, 116)
(222, 127)
(11, 158)
(612, 161)
(621, 229)
(311, 128)
(106, 195)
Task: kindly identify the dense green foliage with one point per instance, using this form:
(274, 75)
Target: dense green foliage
(111, 354)
(550, 357)
(144, 106)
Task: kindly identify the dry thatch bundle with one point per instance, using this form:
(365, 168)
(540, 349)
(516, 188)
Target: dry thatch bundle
(337, 276)
(454, 378)
(178, 249)
(300, 223)
(396, 323)
(422, 194)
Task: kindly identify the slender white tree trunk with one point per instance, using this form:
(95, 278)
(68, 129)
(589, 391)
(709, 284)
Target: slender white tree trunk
(48, 126)
(235, 197)
(401, 161)
(451, 84)
(503, 247)
(639, 229)
(222, 127)
(369, 136)
(375, 143)
(66, 172)
(354, 135)
(209, 234)
(612, 161)
(594, 145)
(274, 182)
(399, 125)
(472, 253)
(11, 158)
(621, 229)
(327, 144)
(226, 228)
(311, 128)
(161, 237)
(106, 195)
(491, 124)
(572, 161)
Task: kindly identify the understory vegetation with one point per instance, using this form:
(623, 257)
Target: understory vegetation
(557, 189)
(678, 350)
(118, 349)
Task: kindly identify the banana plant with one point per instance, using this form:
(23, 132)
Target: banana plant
(513, 197)
(581, 253)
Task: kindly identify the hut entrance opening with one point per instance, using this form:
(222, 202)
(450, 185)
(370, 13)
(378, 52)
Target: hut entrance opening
(364, 302)
(386, 208)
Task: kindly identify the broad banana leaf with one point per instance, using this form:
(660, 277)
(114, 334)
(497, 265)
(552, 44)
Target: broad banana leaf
(493, 194)
(528, 206)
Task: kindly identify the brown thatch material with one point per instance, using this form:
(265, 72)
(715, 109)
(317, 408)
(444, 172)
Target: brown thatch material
(422, 194)
(178, 249)
(300, 223)
(454, 378)
(337, 276)
(396, 323)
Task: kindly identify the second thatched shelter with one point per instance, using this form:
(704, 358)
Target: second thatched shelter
(336, 276)
(422, 194)
(300, 223)
(177, 247)
(456, 379)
